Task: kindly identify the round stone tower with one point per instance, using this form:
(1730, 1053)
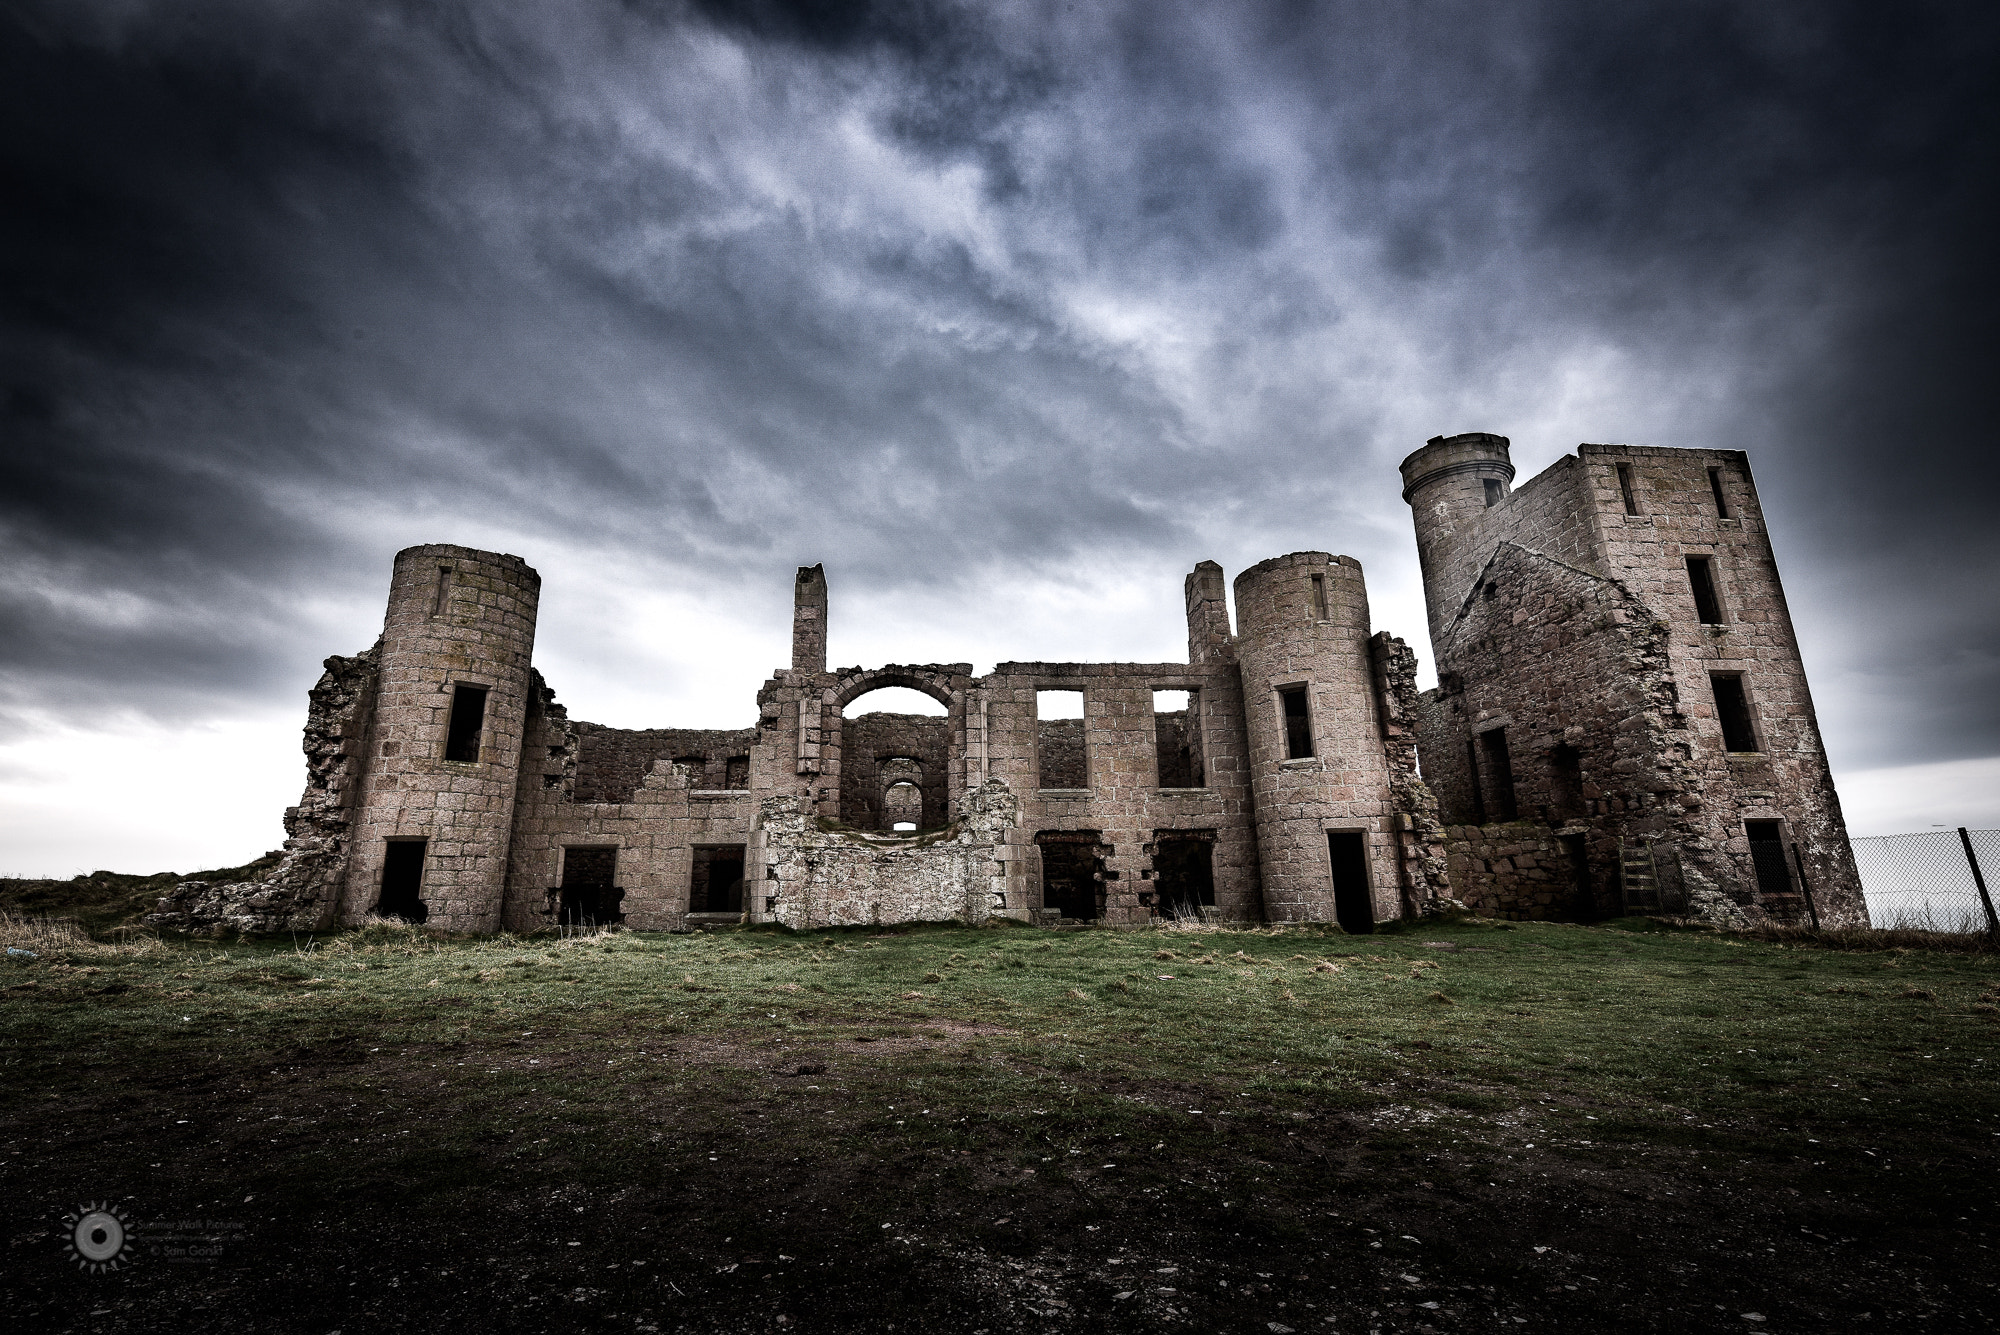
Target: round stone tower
(1450, 484)
(444, 747)
(1318, 770)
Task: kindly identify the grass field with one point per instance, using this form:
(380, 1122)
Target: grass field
(1468, 1126)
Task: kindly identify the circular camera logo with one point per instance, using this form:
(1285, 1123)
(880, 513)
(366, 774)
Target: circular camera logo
(99, 1237)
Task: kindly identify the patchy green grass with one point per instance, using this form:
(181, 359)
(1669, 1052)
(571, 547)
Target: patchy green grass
(1007, 1129)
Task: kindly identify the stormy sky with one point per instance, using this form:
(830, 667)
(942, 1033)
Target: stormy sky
(1009, 313)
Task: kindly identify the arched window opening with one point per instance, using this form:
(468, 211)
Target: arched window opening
(889, 746)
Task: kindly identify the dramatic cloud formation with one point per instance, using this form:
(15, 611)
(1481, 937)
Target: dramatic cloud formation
(1008, 313)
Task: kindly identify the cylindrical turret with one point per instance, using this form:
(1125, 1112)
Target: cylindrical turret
(432, 832)
(1450, 484)
(1317, 765)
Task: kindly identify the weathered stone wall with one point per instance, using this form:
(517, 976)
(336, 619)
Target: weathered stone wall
(456, 617)
(1302, 620)
(1570, 623)
(1061, 759)
(869, 739)
(1419, 834)
(816, 877)
(611, 762)
(299, 894)
(1123, 799)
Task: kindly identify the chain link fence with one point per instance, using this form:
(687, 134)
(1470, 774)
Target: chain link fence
(1930, 881)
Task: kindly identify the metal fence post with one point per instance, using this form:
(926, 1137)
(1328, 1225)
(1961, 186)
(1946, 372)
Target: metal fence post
(1806, 886)
(1972, 860)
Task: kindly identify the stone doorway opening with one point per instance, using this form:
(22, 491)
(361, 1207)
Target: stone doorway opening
(1073, 873)
(717, 883)
(1183, 873)
(1353, 901)
(589, 896)
(403, 881)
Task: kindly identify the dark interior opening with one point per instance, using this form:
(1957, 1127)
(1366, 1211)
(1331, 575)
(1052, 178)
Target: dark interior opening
(717, 882)
(1072, 872)
(1183, 875)
(1499, 769)
(736, 772)
(468, 718)
(1565, 781)
(1767, 855)
(1495, 493)
(1715, 487)
(403, 880)
(1625, 489)
(1353, 905)
(1732, 710)
(1576, 851)
(589, 899)
(1298, 723)
(1701, 579)
(1319, 597)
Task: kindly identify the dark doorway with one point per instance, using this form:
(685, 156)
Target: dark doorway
(589, 899)
(403, 880)
(1183, 875)
(1583, 904)
(1353, 903)
(1565, 782)
(1499, 767)
(468, 720)
(1072, 872)
(717, 885)
(1767, 855)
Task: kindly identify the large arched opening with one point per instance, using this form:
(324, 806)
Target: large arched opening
(895, 747)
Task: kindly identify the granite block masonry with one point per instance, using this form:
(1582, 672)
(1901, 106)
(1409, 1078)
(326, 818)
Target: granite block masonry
(1621, 725)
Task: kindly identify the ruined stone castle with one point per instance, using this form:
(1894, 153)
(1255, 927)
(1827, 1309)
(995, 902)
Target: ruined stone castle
(1621, 725)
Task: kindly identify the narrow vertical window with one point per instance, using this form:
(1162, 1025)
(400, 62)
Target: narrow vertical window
(1732, 710)
(1298, 723)
(1499, 773)
(1625, 489)
(1701, 579)
(1319, 597)
(468, 719)
(1177, 739)
(443, 595)
(1060, 752)
(1495, 492)
(1715, 487)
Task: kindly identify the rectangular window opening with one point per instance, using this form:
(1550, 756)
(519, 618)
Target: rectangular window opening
(1060, 756)
(468, 719)
(1625, 489)
(1183, 873)
(1565, 781)
(736, 772)
(1715, 488)
(443, 597)
(588, 897)
(1319, 597)
(1499, 769)
(1701, 580)
(403, 880)
(1496, 492)
(1732, 710)
(716, 883)
(1767, 857)
(1353, 902)
(1177, 739)
(1298, 722)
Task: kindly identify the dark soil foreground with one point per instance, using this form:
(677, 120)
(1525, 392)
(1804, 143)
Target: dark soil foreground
(922, 1173)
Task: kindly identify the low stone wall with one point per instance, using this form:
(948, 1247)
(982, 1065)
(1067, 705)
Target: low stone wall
(809, 876)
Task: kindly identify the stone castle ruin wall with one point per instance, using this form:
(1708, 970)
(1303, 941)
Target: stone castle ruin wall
(1583, 755)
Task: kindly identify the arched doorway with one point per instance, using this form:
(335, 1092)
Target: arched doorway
(895, 753)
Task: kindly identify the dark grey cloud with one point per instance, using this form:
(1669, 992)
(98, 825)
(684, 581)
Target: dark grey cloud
(941, 292)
